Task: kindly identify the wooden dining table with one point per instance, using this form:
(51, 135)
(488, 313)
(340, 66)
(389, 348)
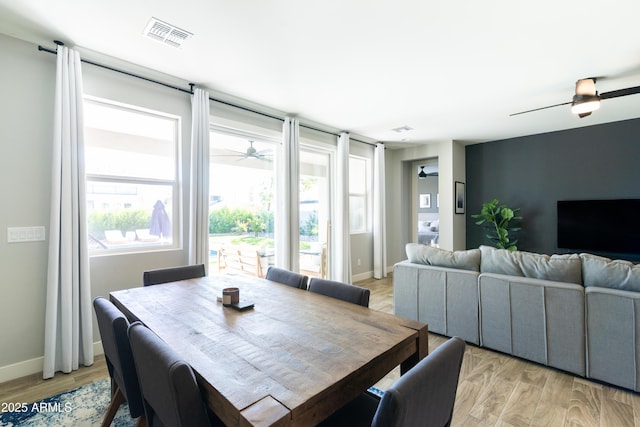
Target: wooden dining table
(293, 359)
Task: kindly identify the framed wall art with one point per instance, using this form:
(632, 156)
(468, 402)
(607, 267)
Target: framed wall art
(460, 200)
(425, 201)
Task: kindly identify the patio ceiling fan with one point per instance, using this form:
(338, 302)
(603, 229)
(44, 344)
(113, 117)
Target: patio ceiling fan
(250, 153)
(586, 99)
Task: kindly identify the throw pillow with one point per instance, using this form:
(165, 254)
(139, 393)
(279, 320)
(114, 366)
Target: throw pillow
(607, 273)
(559, 268)
(461, 260)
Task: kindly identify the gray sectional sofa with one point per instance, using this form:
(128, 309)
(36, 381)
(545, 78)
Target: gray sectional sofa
(579, 313)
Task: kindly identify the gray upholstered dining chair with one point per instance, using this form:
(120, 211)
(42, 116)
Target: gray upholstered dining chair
(113, 327)
(286, 277)
(424, 396)
(170, 393)
(172, 274)
(346, 292)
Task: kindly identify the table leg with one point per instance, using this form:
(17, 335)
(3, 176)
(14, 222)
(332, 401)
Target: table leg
(422, 345)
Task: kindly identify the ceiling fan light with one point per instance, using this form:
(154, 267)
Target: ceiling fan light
(583, 104)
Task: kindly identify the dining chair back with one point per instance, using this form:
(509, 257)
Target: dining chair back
(426, 394)
(286, 277)
(346, 292)
(423, 396)
(169, 389)
(172, 274)
(113, 327)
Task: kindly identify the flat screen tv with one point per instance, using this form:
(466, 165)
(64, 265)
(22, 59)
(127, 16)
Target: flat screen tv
(605, 226)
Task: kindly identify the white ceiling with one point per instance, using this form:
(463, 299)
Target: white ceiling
(451, 70)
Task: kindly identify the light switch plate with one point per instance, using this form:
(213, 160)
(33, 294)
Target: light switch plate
(25, 234)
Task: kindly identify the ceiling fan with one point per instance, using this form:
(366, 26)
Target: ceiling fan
(586, 99)
(250, 153)
(422, 174)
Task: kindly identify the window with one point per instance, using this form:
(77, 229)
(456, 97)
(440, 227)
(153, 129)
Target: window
(131, 167)
(358, 194)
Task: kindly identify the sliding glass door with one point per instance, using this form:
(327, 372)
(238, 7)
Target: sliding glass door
(241, 202)
(242, 208)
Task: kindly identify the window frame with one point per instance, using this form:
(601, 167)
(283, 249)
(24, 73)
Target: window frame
(366, 196)
(174, 184)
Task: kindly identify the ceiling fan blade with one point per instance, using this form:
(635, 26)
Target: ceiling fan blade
(541, 108)
(620, 92)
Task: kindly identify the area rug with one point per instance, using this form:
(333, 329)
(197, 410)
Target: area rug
(84, 406)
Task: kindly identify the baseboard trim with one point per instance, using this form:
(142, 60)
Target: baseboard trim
(32, 366)
(368, 275)
(21, 369)
(362, 276)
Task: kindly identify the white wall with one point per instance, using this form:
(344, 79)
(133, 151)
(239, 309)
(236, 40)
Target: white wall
(26, 112)
(459, 174)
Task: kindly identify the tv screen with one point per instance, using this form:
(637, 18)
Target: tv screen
(610, 226)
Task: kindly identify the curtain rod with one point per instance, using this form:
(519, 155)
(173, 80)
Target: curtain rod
(190, 92)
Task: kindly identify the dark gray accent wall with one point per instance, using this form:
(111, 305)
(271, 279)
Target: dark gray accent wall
(534, 172)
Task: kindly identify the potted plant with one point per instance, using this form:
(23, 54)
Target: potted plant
(499, 220)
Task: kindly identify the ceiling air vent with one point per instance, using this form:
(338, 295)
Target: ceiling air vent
(166, 33)
(402, 129)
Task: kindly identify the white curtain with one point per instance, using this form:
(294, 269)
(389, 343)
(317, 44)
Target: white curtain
(379, 215)
(68, 338)
(288, 213)
(342, 251)
(199, 206)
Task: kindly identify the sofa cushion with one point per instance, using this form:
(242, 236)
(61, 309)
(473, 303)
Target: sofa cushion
(461, 260)
(607, 273)
(559, 268)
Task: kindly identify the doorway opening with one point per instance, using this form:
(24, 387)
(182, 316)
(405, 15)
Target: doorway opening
(424, 201)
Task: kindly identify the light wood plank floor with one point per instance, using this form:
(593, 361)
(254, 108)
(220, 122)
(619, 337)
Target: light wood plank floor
(494, 389)
(499, 390)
